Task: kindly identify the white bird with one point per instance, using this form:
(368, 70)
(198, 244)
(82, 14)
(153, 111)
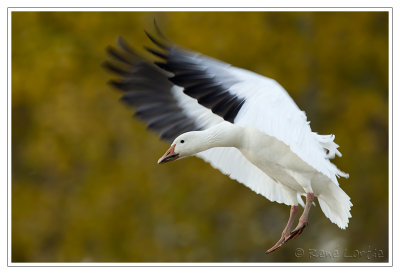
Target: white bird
(244, 124)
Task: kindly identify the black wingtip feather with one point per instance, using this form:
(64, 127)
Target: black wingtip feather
(231, 114)
(163, 66)
(156, 53)
(172, 131)
(158, 30)
(116, 84)
(213, 99)
(155, 41)
(125, 46)
(203, 89)
(118, 56)
(189, 80)
(159, 123)
(114, 69)
(223, 107)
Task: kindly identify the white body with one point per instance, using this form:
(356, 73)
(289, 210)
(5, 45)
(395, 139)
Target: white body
(277, 160)
(266, 165)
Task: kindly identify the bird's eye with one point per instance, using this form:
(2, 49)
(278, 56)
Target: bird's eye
(182, 141)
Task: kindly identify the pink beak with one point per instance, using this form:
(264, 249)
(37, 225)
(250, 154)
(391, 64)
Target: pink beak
(170, 155)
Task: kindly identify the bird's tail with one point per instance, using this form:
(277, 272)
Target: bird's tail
(335, 204)
(327, 142)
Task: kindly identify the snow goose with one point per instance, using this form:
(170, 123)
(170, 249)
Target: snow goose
(244, 124)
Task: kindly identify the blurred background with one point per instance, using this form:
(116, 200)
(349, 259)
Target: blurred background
(86, 186)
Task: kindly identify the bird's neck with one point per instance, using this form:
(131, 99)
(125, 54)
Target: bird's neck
(224, 134)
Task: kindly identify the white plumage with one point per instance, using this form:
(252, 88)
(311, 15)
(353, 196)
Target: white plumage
(244, 124)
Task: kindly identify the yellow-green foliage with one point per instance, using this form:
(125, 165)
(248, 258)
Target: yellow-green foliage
(85, 183)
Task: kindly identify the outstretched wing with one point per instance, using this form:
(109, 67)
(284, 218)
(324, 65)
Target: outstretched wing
(187, 91)
(169, 111)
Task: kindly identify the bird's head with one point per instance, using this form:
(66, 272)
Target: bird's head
(184, 145)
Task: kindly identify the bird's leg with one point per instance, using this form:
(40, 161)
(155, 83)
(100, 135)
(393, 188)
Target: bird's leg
(286, 230)
(303, 221)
